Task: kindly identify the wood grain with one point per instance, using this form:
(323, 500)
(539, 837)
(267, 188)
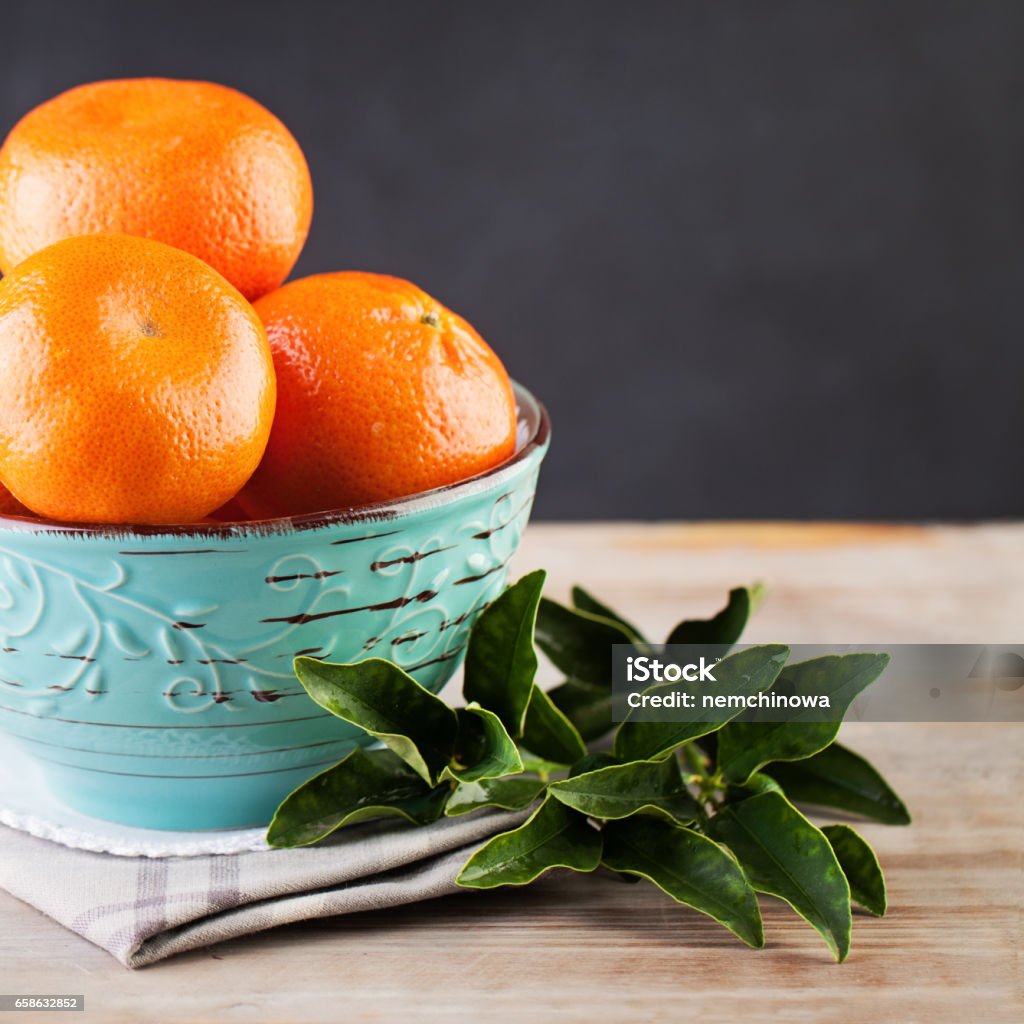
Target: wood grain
(583, 949)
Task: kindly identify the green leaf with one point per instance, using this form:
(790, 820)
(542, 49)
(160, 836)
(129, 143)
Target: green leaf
(619, 791)
(861, 867)
(510, 794)
(586, 602)
(541, 766)
(724, 629)
(366, 784)
(588, 707)
(690, 868)
(784, 855)
(553, 837)
(745, 673)
(578, 643)
(757, 783)
(745, 744)
(624, 876)
(590, 763)
(549, 733)
(484, 748)
(390, 705)
(843, 780)
(500, 659)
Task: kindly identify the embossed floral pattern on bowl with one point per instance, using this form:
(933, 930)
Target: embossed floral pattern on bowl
(148, 672)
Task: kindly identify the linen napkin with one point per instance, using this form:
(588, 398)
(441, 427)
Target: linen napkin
(144, 909)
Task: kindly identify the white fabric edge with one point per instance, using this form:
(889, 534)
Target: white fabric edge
(164, 844)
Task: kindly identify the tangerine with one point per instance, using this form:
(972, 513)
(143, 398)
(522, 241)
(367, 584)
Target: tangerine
(382, 392)
(139, 385)
(9, 504)
(199, 166)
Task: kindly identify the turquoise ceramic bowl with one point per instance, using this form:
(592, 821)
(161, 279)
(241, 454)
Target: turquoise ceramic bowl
(148, 672)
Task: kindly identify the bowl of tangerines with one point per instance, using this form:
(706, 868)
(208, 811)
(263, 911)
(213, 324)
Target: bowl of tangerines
(207, 472)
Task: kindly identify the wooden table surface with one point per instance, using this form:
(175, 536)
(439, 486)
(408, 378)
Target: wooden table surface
(587, 949)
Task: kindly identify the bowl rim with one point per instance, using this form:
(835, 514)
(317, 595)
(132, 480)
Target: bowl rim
(528, 407)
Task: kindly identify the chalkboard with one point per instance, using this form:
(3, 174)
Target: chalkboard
(759, 259)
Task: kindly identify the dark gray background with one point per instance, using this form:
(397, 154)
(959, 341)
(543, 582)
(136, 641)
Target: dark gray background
(759, 259)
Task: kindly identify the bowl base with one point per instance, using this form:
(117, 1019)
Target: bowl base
(174, 804)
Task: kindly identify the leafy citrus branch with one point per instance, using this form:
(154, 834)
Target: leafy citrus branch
(706, 811)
